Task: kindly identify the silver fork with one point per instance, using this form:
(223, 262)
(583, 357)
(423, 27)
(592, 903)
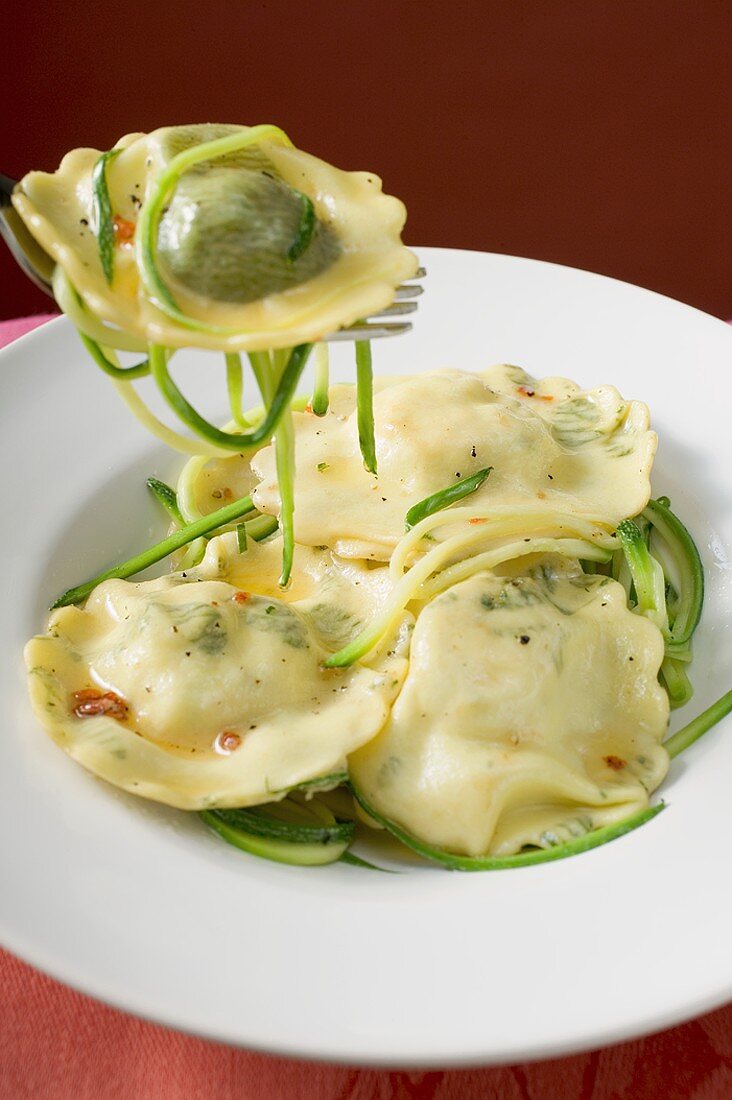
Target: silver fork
(35, 262)
(28, 254)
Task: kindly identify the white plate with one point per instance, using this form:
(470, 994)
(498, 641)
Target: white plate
(142, 907)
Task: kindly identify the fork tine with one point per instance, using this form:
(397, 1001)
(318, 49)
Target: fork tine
(408, 290)
(396, 309)
(367, 331)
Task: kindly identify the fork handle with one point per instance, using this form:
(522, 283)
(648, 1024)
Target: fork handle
(25, 249)
(7, 186)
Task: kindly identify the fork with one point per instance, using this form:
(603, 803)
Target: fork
(28, 254)
(35, 262)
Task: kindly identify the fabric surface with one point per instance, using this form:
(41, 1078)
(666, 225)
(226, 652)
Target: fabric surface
(56, 1044)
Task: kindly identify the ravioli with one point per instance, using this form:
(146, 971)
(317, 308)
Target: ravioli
(193, 691)
(550, 444)
(230, 244)
(531, 713)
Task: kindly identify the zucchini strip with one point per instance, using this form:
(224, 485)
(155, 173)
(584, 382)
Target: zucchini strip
(648, 577)
(139, 370)
(680, 741)
(313, 854)
(680, 652)
(365, 404)
(230, 440)
(235, 387)
(261, 527)
(486, 525)
(259, 823)
(181, 443)
(320, 399)
(305, 229)
(281, 840)
(268, 370)
(284, 448)
(454, 862)
(186, 487)
(443, 498)
(102, 213)
(160, 550)
(195, 550)
(194, 554)
(682, 548)
(677, 683)
(357, 861)
(167, 497)
(284, 445)
(567, 547)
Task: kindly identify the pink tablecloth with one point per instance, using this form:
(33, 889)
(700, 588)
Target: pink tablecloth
(57, 1044)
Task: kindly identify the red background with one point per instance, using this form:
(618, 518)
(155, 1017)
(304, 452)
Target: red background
(590, 132)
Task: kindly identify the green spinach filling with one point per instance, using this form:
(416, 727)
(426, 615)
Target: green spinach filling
(236, 234)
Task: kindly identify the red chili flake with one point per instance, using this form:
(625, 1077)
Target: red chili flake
(227, 494)
(477, 519)
(241, 597)
(532, 393)
(124, 231)
(615, 762)
(90, 702)
(227, 741)
(308, 408)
